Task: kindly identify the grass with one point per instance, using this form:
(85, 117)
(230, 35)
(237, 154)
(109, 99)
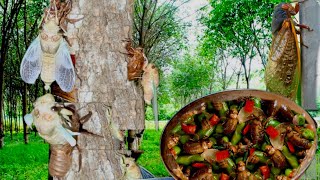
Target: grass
(30, 161)
(24, 161)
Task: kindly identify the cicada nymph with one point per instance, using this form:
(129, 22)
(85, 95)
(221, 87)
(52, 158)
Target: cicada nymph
(283, 69)
(48, 55)
(137, 61)
(56, 124)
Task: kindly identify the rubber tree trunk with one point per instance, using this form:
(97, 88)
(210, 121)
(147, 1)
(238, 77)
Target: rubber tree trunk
(103, 87)
(309, 15)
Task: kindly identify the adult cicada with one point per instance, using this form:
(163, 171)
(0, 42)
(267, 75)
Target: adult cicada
(48, 55)
(283, 69)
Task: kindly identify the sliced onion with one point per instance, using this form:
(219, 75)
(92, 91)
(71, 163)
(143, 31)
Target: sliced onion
(278, 142)
(244, 116)
(209, 155)
(295, 120)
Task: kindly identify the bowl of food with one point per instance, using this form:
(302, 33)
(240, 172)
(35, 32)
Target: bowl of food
(239, 134)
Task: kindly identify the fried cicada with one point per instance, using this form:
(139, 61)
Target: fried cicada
(283, 69)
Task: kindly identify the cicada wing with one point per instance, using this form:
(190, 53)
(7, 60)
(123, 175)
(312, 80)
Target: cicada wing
(65, 75)
(67, 136)
(31, 64)
(279, 42)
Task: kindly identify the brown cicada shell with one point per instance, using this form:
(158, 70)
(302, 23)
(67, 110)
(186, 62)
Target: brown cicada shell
(283, 69)
(137, 61)
(60, 160)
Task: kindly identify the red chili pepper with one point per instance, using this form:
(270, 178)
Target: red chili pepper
(246, 129)
(198, 165)
(248, 107)
(252, 150)
(189, 129)
(265, 171)
(291, 147)
(272, 132)
(214, 120)
(309, 126)
(173, 152)
(222, 155)
(224, 177)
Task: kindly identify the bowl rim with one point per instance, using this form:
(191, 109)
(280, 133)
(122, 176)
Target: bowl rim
(277, 96)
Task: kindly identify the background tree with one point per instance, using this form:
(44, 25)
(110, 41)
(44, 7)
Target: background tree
(243, 27)
(9, 15)
(158, 29)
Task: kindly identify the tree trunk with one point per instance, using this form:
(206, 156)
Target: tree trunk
(24, 112)
(103, 87)
(309, 15)
(1, 105)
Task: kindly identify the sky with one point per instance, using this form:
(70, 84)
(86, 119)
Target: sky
(189, 12)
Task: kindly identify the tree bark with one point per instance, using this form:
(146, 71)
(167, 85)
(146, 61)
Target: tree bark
(24, 112)
(1, 106)
(309, 15)
(103, 87)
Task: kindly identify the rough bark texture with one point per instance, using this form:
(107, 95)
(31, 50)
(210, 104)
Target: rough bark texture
(309, 15)
(103, 87)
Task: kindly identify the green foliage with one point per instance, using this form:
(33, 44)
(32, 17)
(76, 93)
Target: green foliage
(151, 158)
(191, 78)
(240, 28)
(20, 161)
(157, 29)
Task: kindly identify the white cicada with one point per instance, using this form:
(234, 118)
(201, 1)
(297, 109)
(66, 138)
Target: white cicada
(49, 123)
(49, 55)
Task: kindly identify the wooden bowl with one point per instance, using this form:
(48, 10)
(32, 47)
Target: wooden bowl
(169, 160)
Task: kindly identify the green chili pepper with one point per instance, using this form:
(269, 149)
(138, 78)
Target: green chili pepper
(293, 161)
(258, 175)
(301, 120)
(273, 123)
(205, 133)
(218, 147)
(176, 129)
(231, 166)
(263, 147)
(308, 134)
(257, 102)
(224, 110)
(262, 156)
(275, 171)
(225, 139)
(266, 138)
(237, 134)
(184, 138)
(213, 140)
(209, 107)
(200, 117)
(239, 159)
(288, 172)
(187, 160)
(215, 176)
(215, 166)
(219, 129)
(245, 157)
(176, 150)
(250, 166)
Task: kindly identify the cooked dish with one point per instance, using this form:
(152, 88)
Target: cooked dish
(246, 138)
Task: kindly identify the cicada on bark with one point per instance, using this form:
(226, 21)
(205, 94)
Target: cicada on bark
(48, 55)
(57, 124)
(283, 69)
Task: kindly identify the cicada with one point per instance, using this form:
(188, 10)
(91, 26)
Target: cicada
(57, 124)
(48, 55)
(283, 69)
